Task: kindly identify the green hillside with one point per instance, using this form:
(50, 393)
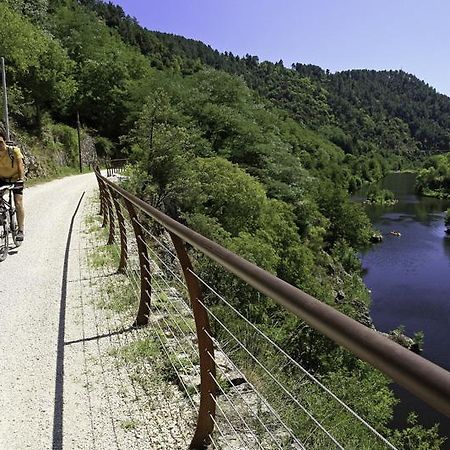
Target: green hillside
(388, 111)
(256, 156)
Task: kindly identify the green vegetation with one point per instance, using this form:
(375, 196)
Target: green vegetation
(257, 156)
(434, 179)
(105, 255)
(376, 195)
(386, 112)
(128, 424)
(141, 349)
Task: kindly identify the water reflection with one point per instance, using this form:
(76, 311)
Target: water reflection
(409, 277)
(421, 209)
(446, 244)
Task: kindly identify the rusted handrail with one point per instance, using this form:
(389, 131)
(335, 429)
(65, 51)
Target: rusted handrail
(109, 196)
(421, 377)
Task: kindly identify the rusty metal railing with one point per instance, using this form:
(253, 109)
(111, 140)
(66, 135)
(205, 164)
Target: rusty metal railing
(114, 166)
(421, 377)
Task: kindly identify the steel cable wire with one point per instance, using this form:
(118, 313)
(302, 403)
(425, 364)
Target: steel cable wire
(194, 406)
(186, 307)
(261, 365)
(195, 351)
(233, 406)
(155, 238)
(181, 281)
(191, 345)
(299, 366)
(245, 401)
(162, 330)
(183, 318)
(258, 394)
(217, 427)
(215, 400)
(306, 412)
(135, 288)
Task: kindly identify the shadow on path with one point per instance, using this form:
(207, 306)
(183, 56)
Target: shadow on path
(59, 379)
(101, 336)
(105, 275)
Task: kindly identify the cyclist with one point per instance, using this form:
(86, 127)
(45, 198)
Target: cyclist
(12, 172)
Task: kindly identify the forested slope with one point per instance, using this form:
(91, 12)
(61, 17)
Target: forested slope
(254, 155)
(389, 111)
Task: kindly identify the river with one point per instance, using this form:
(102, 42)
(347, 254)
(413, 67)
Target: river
(409, 276)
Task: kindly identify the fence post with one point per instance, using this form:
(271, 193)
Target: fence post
(100, 189)
(207, 410)
(144, 264)
(122, 230)
(104, 204)
(112, 224)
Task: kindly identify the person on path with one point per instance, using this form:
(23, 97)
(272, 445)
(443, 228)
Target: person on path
(12, 172)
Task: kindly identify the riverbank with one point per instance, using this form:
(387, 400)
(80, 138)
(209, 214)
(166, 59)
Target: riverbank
(435, 194)
(408, 279)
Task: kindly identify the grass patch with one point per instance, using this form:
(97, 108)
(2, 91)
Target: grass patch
(92, 219)
(128, 425)
(142, 349)
(105, 255)
(92, 223)
(183, 325)
(119, 295)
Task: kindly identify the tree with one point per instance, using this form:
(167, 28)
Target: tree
(347, 219)
(37, 64)
(221, 190)
(103, 60)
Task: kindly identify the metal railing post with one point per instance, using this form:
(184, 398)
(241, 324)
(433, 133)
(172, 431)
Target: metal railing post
(207, 410)
(100, 191)
(122, 231)
(144, 265)
(112, 224)
(104, 206)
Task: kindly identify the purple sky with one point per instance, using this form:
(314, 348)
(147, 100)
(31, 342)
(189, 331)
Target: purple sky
(413, 35)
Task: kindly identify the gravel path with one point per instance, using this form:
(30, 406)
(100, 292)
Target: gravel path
(61, 387)
(31, 290)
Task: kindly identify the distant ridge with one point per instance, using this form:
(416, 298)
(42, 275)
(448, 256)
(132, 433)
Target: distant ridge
(375, 110)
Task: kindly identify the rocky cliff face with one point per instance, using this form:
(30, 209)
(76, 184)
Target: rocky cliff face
(88, 153)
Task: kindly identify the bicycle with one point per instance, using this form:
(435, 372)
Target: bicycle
(8, 221)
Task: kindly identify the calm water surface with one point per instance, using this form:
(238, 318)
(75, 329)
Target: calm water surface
(409, 277)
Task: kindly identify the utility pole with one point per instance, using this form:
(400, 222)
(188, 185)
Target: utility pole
(5, 100)
(79, 140)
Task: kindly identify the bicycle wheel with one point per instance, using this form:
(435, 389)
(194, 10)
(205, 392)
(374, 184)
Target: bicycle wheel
(4, 236)
(14, 227)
